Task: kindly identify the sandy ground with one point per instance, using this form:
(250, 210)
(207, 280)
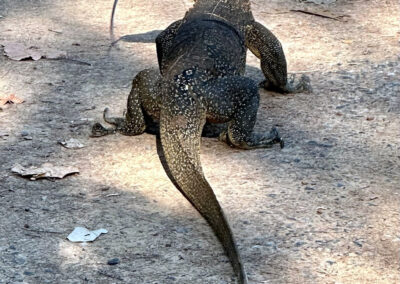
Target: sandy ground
(325, 209)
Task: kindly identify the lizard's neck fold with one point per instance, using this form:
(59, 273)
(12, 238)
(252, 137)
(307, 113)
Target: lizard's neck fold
(236, 12)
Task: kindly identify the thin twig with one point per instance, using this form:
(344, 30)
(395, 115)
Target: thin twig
(321, 14)
(43, 231)
(71, 61)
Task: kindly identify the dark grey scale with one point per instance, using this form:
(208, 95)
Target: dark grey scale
(200, 89)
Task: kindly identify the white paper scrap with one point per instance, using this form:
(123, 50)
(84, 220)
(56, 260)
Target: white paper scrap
(81, 234)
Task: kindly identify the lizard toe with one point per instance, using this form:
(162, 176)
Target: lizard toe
(99, 130)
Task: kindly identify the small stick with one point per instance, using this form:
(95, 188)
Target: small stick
(317, 14)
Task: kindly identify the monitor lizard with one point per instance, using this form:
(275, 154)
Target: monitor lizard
(200, 82)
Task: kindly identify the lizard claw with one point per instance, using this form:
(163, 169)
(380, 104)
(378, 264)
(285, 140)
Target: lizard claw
(99, 130)
(281, 143)
(106, 113)
(304, 84)
(276, 137)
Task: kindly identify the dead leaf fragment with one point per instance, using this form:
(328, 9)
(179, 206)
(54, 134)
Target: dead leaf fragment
(347, 41)
(10, 99)
(72, 144)
(46, 170)
(19, 51)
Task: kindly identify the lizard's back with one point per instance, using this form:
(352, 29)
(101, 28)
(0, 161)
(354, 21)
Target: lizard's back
(206, 43)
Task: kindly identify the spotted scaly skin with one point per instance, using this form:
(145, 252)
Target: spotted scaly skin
(201, 82)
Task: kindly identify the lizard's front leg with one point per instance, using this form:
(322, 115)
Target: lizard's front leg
(142, 96)
(263, 44)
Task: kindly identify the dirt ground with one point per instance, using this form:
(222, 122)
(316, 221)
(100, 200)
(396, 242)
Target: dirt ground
(325, 209)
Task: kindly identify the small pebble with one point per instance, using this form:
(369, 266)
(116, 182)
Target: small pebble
(28, 273)
(113, 261)
(19, 260)
(182, 230)
(330, 262)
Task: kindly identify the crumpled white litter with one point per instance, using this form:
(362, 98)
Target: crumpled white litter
(81, 234)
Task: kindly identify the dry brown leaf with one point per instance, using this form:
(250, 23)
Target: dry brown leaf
(46, 170)
(10, 99)
(19, 51)
(72, 144)
(347, 41)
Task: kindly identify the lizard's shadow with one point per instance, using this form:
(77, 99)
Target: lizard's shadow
(147, 37)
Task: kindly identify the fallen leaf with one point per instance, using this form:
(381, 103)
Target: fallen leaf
(46, 170)
(19, 51)
(347, 41)
(10, 99)
(81, 234)
(72, 144)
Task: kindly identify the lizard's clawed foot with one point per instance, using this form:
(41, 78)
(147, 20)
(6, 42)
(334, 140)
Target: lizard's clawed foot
(257, 141)
(118, 122)
(275, 138)
(302, 86)
(99, 130)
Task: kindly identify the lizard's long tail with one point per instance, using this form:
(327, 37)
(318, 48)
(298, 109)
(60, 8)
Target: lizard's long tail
(180, 132)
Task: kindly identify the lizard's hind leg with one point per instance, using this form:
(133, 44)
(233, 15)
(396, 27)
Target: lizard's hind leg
(144, 87)
(239, 100)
